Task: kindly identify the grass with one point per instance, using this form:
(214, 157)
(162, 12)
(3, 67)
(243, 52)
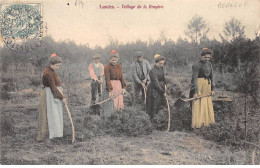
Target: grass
(158, 147)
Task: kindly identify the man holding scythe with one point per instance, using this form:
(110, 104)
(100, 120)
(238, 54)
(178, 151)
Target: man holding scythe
(140, 74)
(96, 71)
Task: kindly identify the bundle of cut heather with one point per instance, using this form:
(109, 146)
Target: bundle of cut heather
(129, 121)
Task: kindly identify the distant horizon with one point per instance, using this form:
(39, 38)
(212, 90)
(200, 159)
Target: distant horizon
(122, 43)
(134, 41)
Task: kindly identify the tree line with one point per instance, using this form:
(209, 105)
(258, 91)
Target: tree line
(233, 51)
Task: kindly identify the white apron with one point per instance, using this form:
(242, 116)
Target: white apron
(54, 114)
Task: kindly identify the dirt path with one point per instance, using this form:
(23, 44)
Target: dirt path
(158, 148)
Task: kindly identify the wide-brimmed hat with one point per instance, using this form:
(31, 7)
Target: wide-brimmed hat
(96, 56)
(139, 54)
(206, 51)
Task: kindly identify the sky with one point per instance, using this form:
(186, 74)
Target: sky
(83, 22)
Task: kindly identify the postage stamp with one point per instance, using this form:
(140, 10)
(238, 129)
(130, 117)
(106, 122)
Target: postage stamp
(22, 28)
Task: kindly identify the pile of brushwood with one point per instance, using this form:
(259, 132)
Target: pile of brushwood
(130, 122)
(127, 122)
(180, 112)
(180, 118)
(229, 128)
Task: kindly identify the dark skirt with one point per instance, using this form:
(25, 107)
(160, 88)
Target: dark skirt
(154, 101)
(43, 132)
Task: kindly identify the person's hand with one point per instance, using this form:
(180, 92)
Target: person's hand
(100, 81)
(195, 95)
(64, 101)
(212, 93)
(109, 94)
(143, 85)
(144, 81)
(123, 90)
(165, 95)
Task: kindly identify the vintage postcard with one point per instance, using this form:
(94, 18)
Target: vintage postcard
(130, 82)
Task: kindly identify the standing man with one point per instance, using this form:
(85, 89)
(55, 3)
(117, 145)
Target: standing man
(96, 71)
(140, 74)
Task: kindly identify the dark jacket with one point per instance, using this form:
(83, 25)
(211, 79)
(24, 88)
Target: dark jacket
(155, 98)
(50, 79)
(113, 72)
(157, 79)
(201, 70)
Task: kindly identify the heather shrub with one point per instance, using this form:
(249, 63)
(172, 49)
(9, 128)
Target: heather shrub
(129, 121)
(228, 129)
(35, 81)
(92, 126)
(180, 119)
(7, 126)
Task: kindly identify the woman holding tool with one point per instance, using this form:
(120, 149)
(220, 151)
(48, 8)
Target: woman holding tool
(114, 86)
(50, 122)
(202, 87)
(156, 89)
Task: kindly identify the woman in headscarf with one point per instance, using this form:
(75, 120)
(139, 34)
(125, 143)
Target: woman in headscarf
(156, 89)
(114, 84)
(201, 85)
(50, 119)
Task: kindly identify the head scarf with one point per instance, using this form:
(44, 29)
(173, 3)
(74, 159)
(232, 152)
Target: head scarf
(158, 58)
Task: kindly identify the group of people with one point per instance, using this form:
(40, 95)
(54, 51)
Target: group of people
(108, 86)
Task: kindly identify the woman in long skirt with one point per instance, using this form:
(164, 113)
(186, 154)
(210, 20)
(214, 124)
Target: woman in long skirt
(156, 89)
(114, 85)
(50, 120)
(202, 84)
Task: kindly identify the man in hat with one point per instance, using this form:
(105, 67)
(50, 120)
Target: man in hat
(96, 71)
(140, 74)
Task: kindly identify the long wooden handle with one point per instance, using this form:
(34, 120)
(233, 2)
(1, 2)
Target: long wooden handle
(194, 98)
(107, 99)
(169, 112)
(144, 94)
(100, 88)
(71, 122)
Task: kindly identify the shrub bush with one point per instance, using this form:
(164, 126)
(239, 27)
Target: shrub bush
(8, 87)
(180, 119)
(160, 120)
(129, 122)
(92, 126)
(175, 89)
(226, 130)
(7, 79)
(35, 81)
(7, 127)
(5, 95)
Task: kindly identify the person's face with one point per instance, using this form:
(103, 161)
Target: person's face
(96, 60)
(160, 63)
(140, 59)
(206, 57)
(55, 66)
(113, 60)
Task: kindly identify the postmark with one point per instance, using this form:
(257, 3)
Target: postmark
(22, 27)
